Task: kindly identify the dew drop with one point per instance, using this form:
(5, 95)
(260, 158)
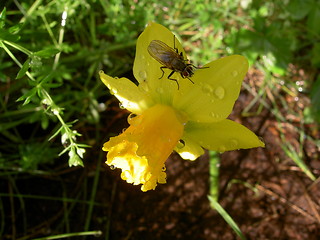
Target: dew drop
(121, 106)
(207, 89)
(136, 121)
(112, 167)
(160, 90)
(234, 73)
(219, 92)
(164, 169)
(181, 144)
(233, 143)
(222, 149)
(143, 75)
(131, 118)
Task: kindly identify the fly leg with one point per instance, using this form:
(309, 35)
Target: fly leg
(177, 51)
(190, 80)
(172, 79)
(161, 68)
(197, 67)
(174, 44)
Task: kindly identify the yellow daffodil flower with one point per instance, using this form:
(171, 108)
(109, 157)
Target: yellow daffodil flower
(166, 118)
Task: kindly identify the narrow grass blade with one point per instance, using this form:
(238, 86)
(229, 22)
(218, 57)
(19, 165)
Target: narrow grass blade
(215, 205)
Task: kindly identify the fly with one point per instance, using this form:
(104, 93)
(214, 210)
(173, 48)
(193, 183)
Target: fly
(171, 58)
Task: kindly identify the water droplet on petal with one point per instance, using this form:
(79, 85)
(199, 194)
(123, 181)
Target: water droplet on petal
(222, 149)
(160, 90)
(207, 89)
(233, 143)
(132, 119)
(164, 168)
(121, 106)
(181, 144)
(143, 75)
(132, 115)
(234, 73)
(112, 167)
(219, 92)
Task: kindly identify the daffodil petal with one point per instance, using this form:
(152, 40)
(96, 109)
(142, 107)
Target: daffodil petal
(147, 70)
(130, 96)
(189, 149)
(142, 149)
(222, 136)
(216, 88)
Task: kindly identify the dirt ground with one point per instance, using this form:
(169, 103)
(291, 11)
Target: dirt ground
(267, 195)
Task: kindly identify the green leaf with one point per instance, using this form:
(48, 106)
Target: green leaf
(315, 55)
(3, 17)
(47, 53)
(292, 153)
(299, 8)
(313, 20)
(16, 28)
(27, 96)
(44, 122)
(24, 69)
(5, 35)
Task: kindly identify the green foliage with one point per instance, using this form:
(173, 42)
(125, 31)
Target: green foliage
(315, 99)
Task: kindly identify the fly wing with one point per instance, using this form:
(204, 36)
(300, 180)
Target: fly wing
(162, 52)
